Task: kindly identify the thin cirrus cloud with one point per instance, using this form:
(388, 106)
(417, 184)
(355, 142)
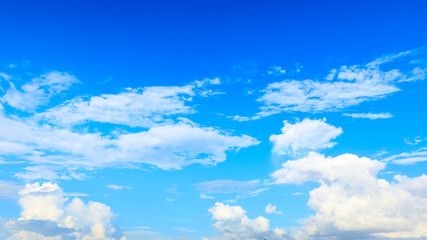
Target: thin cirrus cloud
(350, 184)
(406, 158)
(224, 186)
(8, 189)
(50, 141)
(344, 87)
(304, 136)
(118, 187)
(371, 116)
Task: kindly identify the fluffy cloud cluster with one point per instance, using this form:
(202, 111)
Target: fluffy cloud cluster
(48, 215)
(233, 223)
(305, 135)
(351, 202)
(271, 209)
(142, 126)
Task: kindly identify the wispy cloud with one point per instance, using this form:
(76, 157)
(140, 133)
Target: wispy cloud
(344, 87)
(227, 186)
(56, 145)
(405, 158)
(371, 116)
(118, 187)
(38, 91)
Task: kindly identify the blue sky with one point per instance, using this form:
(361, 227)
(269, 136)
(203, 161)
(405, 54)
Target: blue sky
(213, 120)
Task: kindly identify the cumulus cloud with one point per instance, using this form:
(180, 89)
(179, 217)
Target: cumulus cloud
(371, 116)
(351, 202)
(304, 136)
(47, 214)
(38, 91)
(233, 224)
(271, 209)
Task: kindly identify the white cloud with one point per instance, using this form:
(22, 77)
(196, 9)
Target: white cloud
(331, 75)
(415, 141)
(145, 234)
(314, 96)
(419, 155)
(271, 209)
(276, 70)
(8, 189)
(37, 92)
(227, 186)
(47, 214)
(56, 144)
(344, 87)
(371, 116)
(233, 224)
(166, 147)
(181, 229)
(351, 202)
(118, 187)
(304, 136)
(205, 196)
(134, 107)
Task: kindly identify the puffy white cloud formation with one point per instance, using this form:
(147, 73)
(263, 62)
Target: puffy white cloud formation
(47, 214)
(233, 223)
(271, 209)
(36, 92)
(351, 202)
(305, 135)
